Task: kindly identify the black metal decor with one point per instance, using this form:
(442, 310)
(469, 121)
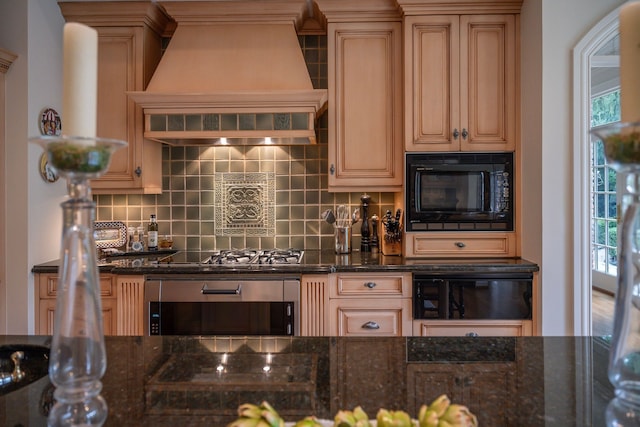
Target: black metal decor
(364, 231)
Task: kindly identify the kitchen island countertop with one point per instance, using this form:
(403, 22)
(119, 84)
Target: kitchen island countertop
(200, 381)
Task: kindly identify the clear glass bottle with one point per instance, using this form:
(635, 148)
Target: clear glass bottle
(152, 233)
(622, 150)
(77, 359)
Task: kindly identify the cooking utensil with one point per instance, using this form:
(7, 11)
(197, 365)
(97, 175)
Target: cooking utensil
(328, 216)
(343, 218)
(355, 216)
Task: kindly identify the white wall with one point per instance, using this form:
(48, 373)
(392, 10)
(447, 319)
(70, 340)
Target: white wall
(547, 120)
(33, 30)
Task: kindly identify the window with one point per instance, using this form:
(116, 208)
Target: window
(605, 109)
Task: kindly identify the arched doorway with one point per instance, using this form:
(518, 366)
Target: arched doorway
(596, 71)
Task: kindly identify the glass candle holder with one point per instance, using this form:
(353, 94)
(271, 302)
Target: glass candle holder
(622, 151)
(78, 358)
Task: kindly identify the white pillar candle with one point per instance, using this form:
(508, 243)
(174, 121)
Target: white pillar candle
(80, 80)
(630, 61)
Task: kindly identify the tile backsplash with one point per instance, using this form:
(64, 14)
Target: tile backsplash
(246, 196)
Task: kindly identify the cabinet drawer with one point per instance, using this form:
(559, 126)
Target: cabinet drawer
(477, 244)
(48, 284)
(452, 328)
(370, 317)
(371, 285)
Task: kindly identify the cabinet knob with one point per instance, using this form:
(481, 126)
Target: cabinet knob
(455, 133)
(371, 325)
(370, 285)
(332, 169)
(138, 171)
(460, 244)
(464, 133)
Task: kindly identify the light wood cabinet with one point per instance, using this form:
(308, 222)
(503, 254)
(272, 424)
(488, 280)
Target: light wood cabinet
(130, 308)
(475, 244)
(129, 49)
(461, 82)
(370, 304)
(472, 328)
(365, 95)
(47, 292)
(122, 300)
(314, 305)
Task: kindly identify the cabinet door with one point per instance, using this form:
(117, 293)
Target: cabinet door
(47, 308)
(47, 292)
(432, 86)
(370, 317)
(365, 121)
(488, 82)
(460, 83)
(137, 167)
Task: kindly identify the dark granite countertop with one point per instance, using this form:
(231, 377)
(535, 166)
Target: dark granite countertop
(315, 262)
(174, 381)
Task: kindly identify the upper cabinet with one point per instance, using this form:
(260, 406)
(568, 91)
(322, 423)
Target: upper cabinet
(460, 77)
(129, 48)
(365, 95)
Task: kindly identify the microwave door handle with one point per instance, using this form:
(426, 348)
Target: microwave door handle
(486, 191)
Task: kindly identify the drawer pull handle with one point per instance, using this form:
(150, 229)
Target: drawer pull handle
(370, 285)
(471, 334)
(371, 325)
(460, 244)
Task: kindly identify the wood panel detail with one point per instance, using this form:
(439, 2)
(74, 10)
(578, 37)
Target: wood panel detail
(313, 305)
(130, 296)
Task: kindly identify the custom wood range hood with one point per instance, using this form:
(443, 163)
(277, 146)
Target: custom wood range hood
(233, 73)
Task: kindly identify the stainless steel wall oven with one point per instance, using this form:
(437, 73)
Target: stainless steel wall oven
(183, 304)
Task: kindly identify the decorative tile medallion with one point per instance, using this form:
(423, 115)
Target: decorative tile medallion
(245, 204)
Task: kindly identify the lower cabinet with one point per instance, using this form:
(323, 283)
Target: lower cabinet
(472, 328)
(487, 389)
(370, 304)
(356, 304)
(121, 299)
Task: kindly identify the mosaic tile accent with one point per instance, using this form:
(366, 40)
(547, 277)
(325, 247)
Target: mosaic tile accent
(245, 204)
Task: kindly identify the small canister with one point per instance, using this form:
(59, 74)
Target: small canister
(343, 240)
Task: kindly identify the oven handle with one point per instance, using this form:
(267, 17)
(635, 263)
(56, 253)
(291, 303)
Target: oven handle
(206, 291)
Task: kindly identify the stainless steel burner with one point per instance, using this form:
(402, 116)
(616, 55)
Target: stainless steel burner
(254, 256)
(277, 256)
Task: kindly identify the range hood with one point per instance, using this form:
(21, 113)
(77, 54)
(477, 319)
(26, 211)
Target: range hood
(233, 73)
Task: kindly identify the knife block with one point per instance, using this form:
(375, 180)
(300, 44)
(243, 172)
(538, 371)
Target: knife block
(391, 248)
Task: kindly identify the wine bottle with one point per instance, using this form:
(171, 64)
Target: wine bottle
(152, 234)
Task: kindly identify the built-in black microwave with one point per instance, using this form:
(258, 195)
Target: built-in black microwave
(459, 191)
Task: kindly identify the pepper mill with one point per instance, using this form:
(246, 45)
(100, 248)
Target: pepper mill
(374, 233)
(364, 231)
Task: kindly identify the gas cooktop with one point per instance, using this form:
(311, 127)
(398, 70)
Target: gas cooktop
(235, 257)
